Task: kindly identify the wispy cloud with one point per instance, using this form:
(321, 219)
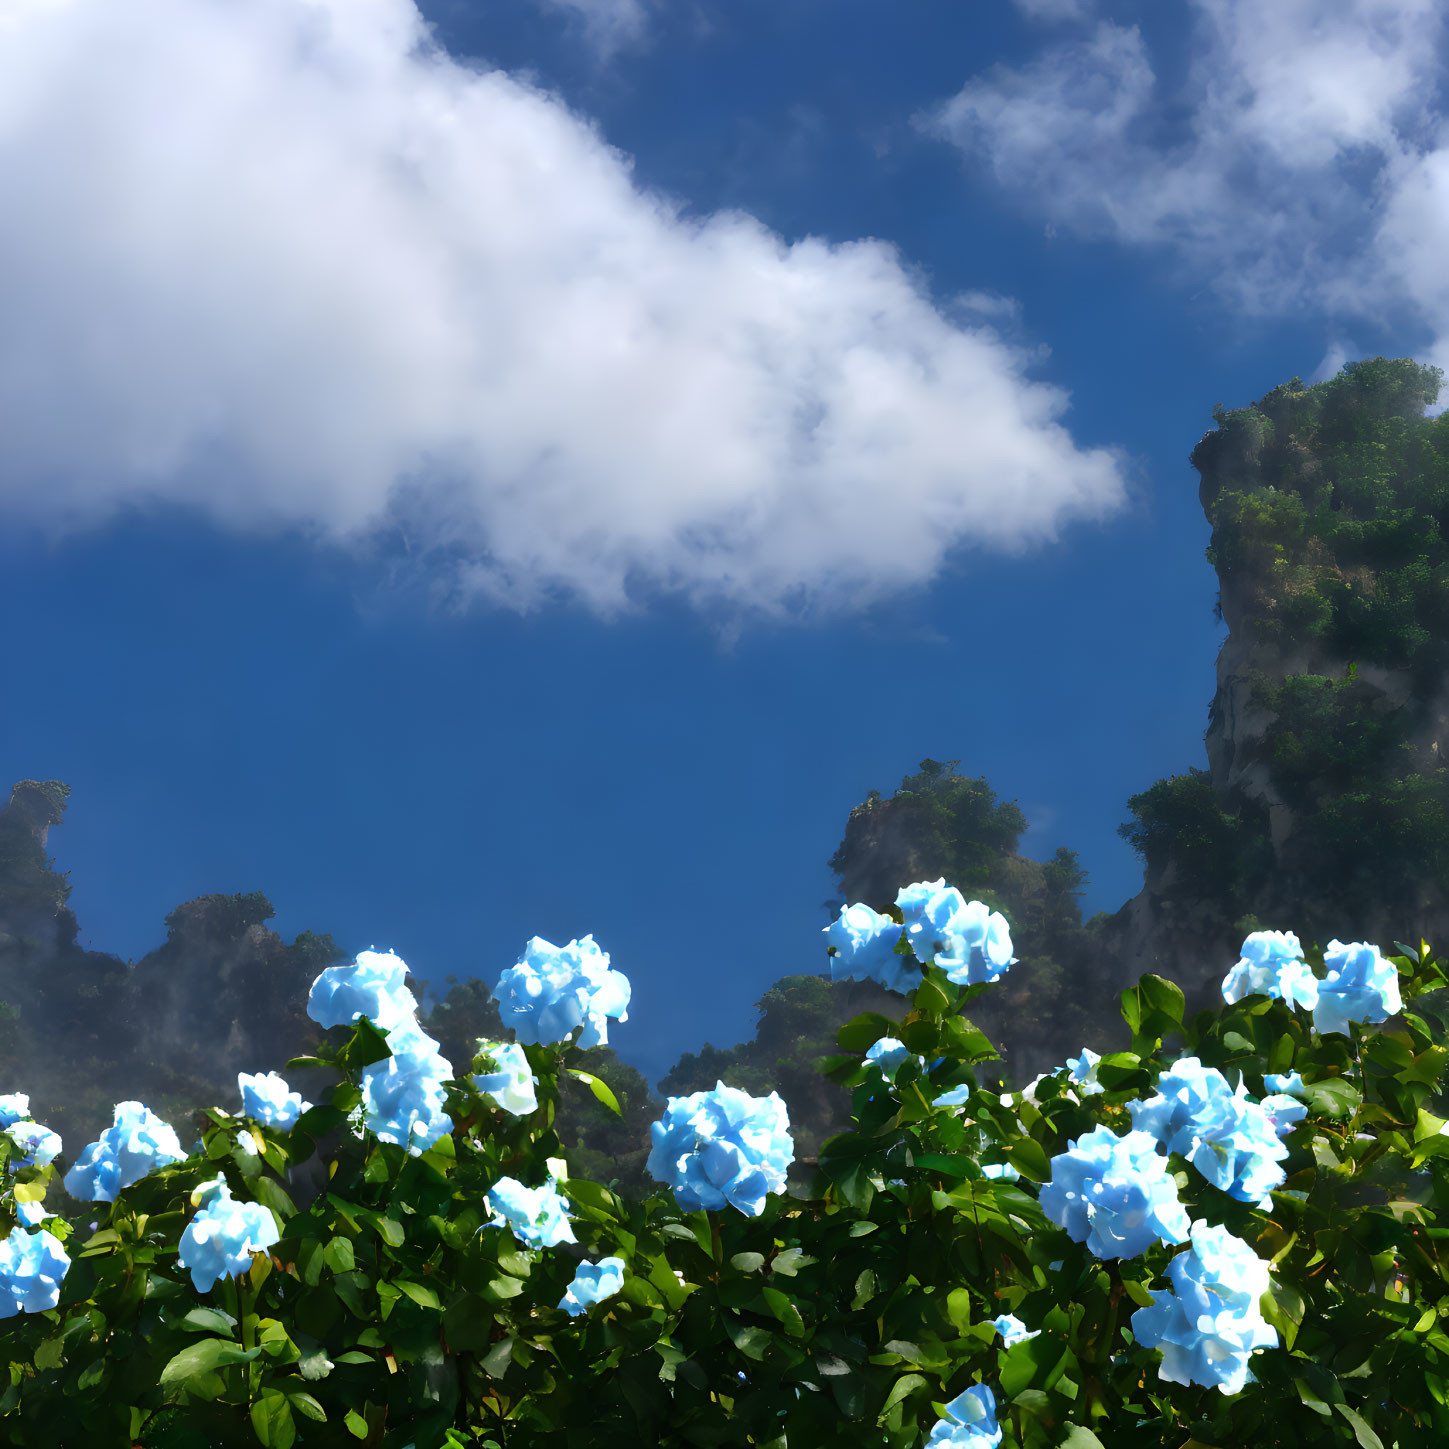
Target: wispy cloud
(1304, 162)
(607, 25)
(1051, 11)
(288, 264)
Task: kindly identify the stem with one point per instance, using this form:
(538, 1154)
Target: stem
(244, 1370)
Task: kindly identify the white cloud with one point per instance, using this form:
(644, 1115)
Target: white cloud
(609, 25)
(1299, 165)
(282, 263)
(1050, 11)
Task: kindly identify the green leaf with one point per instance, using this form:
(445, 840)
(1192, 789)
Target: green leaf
(1361, 1431)
(1153, 1008)
(863, 1031)
(201, 1358)
(319, 1120)
(272, 1420)
(420, 1293)
(339, 1255)
(307, 1063)
(270, 1193)
(303, 1403)
(1080, 1438)
(1333, 1096)
(368, 1045)
(207, 1320)
(599, 1088)
(356, 1424)
(1029, 1158)
(901, 1389)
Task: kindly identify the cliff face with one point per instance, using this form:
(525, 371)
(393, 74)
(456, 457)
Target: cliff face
(223, 994)
(1324, 806)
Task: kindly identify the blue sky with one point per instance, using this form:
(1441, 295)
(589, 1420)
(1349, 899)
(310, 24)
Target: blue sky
(473, 471)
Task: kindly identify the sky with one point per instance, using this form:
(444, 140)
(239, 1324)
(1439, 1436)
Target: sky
(477, 471)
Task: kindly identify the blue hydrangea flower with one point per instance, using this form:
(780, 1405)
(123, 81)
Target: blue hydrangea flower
(1227, 1136)
(31, 1214)
(1272, 964)
(1209, 1326)
(593, 1282)
(1114, 1194)
(1284, 1112)
(39, 1145)
(511, 1086)
(267, 1099)
(1082, 1072)
(1290, 1082)
(220, 1240)
(1360, 986)
(969, 1422)
(14, 1108)
(372, 986)
(554, 989)
(136, 1143)
(865, 944)
(888, 1054)
(722, 1146)
(403, 1095)
(1013, 1330)
(538, 1216)
(978, 948)
(32, 1268)
(967, 940)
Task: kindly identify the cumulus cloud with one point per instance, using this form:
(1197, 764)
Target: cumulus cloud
(289, 264)
(1302, 162)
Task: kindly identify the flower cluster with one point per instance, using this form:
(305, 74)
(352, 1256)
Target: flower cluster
(1208, 1327)
(968, 1423)
(1360, 986)
(538, 1216)
(1226, 1135)
(1013, 1330)
(402, 1095)
(372, 986)
(554, 989)
(593, 1282)
(220, 1240)
(1082, 1073)
(39, 1145)
(511, 1086)
(722, 1146)
(1114, 1194)
(1272, 964)
(136, 1143)
(32, 1266)
(970, 942)
(863, 948)
(267, 1099)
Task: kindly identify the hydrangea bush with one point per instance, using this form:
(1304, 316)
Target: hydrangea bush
(1232, 1241)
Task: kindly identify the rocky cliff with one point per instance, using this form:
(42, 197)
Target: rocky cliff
(1323, 807)
(223, 993)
